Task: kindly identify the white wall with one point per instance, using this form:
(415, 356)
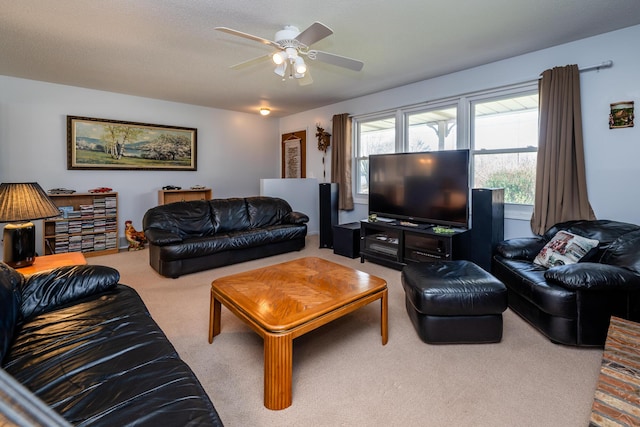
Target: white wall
(611, 155)
(235, 150)
(303, 195)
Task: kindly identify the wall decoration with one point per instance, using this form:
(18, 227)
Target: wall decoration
(118, 145)
(324, 141)
(294, 157)
(324, 138)
(621, 115)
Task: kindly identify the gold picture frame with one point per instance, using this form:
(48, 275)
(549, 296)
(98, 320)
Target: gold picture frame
(105, 144)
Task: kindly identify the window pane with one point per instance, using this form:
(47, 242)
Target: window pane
(505, 135)
(363, 176)
(377, 137)
(374, 137)
(506, 123)
(432, 130)
(515, 172)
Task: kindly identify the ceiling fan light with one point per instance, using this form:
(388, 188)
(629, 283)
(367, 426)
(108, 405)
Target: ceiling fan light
(281, 69)
(301, 67)
(278, 58)
(265, 111)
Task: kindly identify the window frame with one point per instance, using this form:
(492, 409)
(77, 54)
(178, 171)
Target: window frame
(358, 157)
(512, 210)
(427, 108)
(465, 132)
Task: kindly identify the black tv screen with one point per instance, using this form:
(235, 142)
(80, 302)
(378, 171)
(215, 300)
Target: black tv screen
(426, 187)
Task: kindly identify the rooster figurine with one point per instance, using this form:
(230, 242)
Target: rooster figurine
(135, 238)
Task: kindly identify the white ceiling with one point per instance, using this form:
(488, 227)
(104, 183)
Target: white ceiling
(168, 49)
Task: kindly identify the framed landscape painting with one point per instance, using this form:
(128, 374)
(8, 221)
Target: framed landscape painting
(110, 144)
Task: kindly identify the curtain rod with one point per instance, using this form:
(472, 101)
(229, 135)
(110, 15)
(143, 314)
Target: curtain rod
(605, 64)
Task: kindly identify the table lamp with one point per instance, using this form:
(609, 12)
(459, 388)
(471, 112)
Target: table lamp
(19, 204)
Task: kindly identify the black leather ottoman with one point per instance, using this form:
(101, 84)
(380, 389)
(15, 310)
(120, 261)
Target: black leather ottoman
(452, 302)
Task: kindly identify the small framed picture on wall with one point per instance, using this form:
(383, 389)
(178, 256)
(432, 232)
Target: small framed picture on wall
(294, 157)
(621, 115)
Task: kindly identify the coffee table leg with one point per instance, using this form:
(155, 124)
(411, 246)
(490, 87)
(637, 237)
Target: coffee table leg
(214, 318)
(384, 317)
(278, 368)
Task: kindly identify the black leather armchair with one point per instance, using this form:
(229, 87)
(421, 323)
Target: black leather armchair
(572, 304)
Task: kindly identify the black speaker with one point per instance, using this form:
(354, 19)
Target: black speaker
(328, 213)
(487, 225)
(346, 239)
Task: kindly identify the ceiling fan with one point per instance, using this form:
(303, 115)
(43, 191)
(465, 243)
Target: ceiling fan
(292, 45)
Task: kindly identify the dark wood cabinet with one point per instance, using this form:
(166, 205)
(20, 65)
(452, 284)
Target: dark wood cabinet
(395, 245)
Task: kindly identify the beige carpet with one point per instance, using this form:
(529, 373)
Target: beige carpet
(343, 376)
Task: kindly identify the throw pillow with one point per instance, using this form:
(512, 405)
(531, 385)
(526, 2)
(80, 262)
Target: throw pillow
(48, 290)
(564, 248)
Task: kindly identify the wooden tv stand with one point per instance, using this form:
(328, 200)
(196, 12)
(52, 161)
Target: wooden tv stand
(395, 245)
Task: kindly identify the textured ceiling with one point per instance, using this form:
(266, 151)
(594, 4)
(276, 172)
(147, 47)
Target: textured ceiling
(168, 49)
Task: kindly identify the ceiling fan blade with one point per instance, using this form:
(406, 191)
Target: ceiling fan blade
(332, 58)
(250, 62)
(248, 36)
(316, 32)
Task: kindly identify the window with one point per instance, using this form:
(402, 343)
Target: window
(426, 130)
(504, 143)
(500, 127)
(375, 136)
(432, 130)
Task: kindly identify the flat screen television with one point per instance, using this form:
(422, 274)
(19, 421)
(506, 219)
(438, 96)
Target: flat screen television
(425, 188)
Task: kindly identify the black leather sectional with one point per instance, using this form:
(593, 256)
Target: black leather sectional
(87, 348)
(186, 237)
(572, 304)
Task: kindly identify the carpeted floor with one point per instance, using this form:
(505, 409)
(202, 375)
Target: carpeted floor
(344, 376)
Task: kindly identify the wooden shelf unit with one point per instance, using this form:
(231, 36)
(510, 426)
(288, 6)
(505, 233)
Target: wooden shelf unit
(91, 228)
(171, 196)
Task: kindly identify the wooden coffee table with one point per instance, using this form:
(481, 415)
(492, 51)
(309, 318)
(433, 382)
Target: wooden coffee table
(284, 301)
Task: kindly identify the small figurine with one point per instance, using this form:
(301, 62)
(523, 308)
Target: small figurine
(101, 190)
(61, 191)
(136, 239)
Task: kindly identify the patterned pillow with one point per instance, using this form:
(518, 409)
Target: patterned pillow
(564, 248)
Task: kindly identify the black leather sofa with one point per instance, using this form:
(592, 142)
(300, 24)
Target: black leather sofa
(573, 303)
(87, 348)
(186, 237)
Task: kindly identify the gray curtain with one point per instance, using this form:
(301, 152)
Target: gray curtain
(341, 160)
(561, 185)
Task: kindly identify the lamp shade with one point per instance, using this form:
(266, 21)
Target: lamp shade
(281, 69)
(301, 67)
(278, 58)
(24, 202)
